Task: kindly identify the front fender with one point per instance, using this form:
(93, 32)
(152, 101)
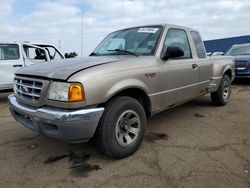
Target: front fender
(125, 84)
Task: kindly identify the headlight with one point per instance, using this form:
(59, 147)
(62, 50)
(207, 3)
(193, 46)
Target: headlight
(68, 92)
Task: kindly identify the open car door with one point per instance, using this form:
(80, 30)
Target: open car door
(34, 54)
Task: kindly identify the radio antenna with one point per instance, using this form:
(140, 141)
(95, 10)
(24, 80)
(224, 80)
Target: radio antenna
(82, 36)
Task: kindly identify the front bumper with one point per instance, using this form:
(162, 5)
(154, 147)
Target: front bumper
(70, 125)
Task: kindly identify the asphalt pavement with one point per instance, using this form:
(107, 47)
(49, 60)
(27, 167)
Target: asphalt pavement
(193, 145)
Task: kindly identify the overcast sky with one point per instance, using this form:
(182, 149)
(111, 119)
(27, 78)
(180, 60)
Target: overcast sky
(61, 20)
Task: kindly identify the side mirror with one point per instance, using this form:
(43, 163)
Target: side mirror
(217, 54)
(172, 52)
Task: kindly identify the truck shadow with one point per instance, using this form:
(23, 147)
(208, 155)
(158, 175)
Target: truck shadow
(183, 110)
(4, 97)
(241, 81)
(242, 84)
(90, 150)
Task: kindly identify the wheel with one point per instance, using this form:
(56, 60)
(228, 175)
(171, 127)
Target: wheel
(121, 128)
(222, 95)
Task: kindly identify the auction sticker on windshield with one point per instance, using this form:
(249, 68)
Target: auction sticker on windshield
(148, 30)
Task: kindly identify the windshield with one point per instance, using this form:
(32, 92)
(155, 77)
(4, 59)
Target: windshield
(137, 41)
(239, 50)
(9, 52)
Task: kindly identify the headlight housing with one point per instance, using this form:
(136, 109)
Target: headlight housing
(67, 92)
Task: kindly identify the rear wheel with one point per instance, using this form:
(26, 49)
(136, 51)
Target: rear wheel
(222, 95)
(122, 127)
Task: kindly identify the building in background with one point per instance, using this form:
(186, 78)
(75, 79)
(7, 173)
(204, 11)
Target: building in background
(222, 45)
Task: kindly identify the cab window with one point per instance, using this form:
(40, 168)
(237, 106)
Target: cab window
(34, 54)
(178, 38)
(9, 52)
(201, 53)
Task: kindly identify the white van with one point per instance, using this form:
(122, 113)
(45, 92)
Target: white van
(14, 55)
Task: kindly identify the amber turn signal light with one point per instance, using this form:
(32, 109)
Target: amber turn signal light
(76, 92)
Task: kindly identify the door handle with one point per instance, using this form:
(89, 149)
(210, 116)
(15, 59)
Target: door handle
(194, 66)
(18, 65)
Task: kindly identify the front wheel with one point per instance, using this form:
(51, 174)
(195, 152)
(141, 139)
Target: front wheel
(122, 127)
(222, 95)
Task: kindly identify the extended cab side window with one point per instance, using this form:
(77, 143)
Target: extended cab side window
(201, 53)
(178, 38)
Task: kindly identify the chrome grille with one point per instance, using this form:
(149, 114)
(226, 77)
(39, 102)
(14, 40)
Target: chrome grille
(240, 64)
(28, 89)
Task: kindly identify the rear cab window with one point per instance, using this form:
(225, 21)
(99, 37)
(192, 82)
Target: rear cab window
(201, 52)
(9, 52)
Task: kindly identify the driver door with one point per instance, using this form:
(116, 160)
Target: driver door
(178, 76)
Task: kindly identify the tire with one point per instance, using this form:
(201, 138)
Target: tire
(222, 95)
(123, 117)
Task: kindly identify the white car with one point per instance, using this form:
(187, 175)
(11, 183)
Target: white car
(14, 55)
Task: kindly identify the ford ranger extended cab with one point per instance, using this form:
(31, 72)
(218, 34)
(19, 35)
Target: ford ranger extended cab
(14, 55)
(131, 75)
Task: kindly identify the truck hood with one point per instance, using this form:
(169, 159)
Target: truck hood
(63, 69)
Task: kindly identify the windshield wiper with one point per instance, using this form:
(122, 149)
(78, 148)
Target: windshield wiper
(124, 52)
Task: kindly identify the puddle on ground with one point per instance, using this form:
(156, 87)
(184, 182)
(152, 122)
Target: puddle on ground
(198, 115)
(214, 148)
(84, 170)
(152, 136)
(78, 159)
(55, 158)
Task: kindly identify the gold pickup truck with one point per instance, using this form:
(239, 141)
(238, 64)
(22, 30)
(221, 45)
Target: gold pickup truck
(131, 75)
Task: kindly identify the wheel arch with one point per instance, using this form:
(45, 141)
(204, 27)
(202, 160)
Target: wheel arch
(229, 73)
(135, 92)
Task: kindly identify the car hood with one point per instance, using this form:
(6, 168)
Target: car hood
(63, 69)
(242, 58)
